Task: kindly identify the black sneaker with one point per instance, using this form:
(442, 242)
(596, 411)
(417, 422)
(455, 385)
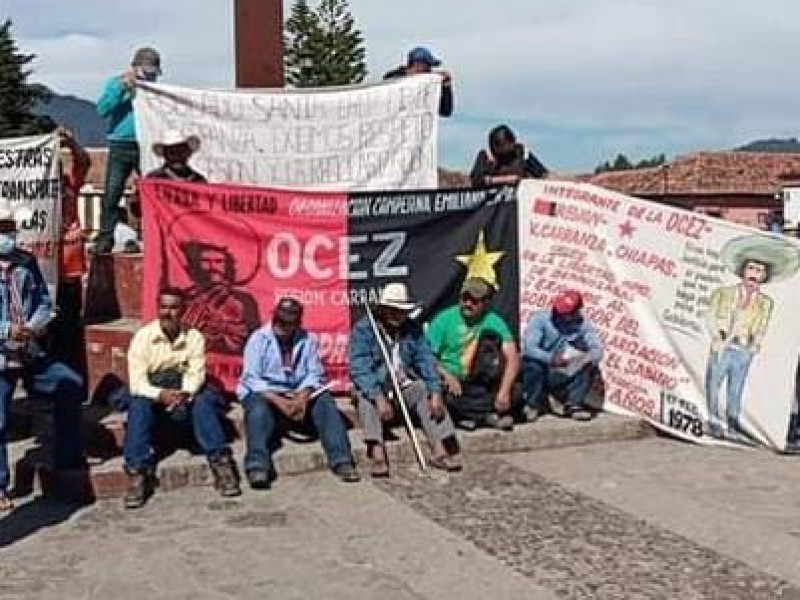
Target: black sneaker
(258, 479)
(346, 472)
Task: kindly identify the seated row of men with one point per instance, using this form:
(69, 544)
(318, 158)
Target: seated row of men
(465, 364)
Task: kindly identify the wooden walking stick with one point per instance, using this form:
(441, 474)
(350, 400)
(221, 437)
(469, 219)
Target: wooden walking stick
(396, 386)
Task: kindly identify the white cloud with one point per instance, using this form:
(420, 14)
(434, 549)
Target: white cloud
(634, 76)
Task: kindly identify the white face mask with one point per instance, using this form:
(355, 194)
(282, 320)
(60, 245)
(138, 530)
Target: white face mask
(8, 242)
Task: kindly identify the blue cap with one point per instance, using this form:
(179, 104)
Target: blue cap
(422, 55)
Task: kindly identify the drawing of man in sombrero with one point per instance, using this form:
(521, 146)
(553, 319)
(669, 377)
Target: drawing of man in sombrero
(738, 318)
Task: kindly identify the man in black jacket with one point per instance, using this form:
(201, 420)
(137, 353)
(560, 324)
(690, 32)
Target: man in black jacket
(422, 60)
(506, 162)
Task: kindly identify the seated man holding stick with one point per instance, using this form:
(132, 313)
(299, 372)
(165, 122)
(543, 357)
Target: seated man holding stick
(415, 368)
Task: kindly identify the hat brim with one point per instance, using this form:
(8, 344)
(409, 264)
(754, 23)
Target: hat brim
(404, 306)
(192, 141)
(782, 258)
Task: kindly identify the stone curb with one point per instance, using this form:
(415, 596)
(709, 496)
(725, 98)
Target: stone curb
(293, 458)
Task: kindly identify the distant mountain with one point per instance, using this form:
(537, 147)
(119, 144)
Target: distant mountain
(789, 145)
(79, 115)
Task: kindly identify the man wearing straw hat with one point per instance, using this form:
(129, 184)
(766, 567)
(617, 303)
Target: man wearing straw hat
(413, 363)
(738, 317)
(176, 149)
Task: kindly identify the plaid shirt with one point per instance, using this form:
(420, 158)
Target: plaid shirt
(24, 300)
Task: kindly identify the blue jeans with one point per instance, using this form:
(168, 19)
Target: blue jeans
(59, 384)
(732, 364)
(123, 159)
(539, 380)
(261, 425)
(203, 414)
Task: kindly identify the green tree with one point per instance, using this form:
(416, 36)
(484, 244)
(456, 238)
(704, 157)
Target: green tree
(18, 97)
(323, 45)
(622, 163)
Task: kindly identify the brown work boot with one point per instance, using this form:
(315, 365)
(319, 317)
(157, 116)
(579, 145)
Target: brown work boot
(139, 487)
(226, 480)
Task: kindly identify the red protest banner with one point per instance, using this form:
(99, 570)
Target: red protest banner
(235, 251)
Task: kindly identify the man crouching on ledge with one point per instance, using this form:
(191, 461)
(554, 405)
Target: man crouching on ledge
(167, 372)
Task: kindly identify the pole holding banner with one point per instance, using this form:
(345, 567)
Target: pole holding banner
(396, 387)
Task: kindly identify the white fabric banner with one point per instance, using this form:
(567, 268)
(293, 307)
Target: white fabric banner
(697, 315)
(30, 183)
(374, 137)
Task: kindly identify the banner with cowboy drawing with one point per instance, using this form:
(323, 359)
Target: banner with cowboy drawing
(697, 315)
(375, 137)
(30, 190)
(237, 250)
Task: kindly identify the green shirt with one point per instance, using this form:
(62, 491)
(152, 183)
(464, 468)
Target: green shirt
(454, 343)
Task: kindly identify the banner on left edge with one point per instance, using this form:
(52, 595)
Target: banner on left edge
(30, 183)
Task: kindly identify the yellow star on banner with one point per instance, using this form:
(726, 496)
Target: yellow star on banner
(481, 262)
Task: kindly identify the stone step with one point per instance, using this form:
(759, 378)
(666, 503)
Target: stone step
(182, 469)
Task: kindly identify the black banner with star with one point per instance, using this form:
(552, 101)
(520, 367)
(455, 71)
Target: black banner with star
(432, 241)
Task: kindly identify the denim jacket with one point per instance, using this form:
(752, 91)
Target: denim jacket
(368, 369)
(543, 339)
(263, 369)
(24, 275)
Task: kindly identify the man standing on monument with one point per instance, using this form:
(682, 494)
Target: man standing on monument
(421, 60)
(116, 105)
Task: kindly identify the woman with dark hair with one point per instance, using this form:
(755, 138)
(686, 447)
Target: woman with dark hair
(506, 161)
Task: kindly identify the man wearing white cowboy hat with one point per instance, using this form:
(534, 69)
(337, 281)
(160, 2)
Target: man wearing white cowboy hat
(176, 149)
(738, 317)
(415, 367)
(25, 311)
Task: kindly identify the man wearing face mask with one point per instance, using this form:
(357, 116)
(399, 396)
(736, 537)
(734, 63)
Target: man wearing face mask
(561, 349)
(176, 150)
(25, 311)
(283, 380)
(116, 105)
(506, 162)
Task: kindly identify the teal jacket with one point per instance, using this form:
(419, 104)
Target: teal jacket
(116, 105)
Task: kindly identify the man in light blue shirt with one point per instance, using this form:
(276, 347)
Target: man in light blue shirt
(560, 354)
(116, 105)
(283, 379)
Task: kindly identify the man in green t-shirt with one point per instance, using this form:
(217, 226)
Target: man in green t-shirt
(477, 357)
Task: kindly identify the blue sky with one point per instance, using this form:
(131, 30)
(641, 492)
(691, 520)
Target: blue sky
(578, 80)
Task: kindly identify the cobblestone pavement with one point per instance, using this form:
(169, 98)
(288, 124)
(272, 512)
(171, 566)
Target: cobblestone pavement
(577, 546)
(308, 537)
(601, 521)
